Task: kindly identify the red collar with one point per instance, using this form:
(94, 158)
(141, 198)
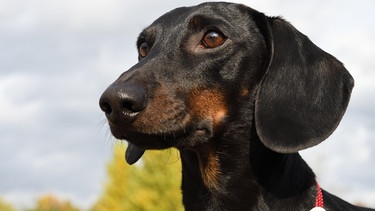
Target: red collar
(319, 197)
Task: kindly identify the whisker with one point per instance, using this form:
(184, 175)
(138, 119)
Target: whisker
(168, 161)
(108, 136)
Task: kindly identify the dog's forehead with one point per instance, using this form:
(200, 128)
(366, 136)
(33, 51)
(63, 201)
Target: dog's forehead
(214, 10)
(184, 13)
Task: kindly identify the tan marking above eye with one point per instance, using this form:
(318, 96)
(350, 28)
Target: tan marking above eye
(244, 92)
(195, 21)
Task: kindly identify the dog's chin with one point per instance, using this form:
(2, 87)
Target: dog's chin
(189, 137)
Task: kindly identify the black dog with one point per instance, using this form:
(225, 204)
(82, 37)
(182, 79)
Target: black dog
(239, 94)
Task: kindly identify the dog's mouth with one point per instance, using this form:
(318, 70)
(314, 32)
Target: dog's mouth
(185, 137)
(164, 120)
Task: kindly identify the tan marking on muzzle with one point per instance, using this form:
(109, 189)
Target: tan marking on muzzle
(162, 114)
(208, 104)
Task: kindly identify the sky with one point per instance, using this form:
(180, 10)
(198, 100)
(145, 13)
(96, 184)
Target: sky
(57, 57)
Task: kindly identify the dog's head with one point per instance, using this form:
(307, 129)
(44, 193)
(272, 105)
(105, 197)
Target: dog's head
(198, 64)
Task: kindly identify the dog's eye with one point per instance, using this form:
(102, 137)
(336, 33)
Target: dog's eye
(143, 49)
(213, 39)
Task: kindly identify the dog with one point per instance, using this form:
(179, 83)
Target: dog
(238, 93)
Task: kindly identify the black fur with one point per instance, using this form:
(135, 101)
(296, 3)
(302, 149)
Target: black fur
(238, 105)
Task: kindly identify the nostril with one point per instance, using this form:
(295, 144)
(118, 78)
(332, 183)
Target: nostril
(106, 107)
(129, 107)
(133, 98)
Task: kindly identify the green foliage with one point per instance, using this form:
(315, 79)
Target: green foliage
(51, 203)
(153, 184)
(5, 206)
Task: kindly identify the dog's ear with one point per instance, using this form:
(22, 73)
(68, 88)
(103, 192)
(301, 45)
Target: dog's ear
(303, 93)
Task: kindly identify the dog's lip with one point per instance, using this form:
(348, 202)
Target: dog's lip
(134, 153)
(185, 136)
(165, 136)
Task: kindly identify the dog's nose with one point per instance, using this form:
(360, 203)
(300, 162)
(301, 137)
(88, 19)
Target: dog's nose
(122, 103)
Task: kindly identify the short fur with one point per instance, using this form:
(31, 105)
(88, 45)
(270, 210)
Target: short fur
(238, 109)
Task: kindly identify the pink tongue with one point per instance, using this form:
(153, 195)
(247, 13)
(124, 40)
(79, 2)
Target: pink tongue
(133, 154)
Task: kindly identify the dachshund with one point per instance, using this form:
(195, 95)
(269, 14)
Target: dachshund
(238, 93)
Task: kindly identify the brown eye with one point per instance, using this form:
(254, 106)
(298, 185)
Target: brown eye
(213, 39)
(143, 49)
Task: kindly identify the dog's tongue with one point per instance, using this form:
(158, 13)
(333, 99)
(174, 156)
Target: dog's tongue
(133, 153)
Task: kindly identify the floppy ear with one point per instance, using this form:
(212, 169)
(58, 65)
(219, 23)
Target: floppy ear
(303, 93)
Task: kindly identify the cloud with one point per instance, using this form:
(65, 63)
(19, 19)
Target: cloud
(50, 138)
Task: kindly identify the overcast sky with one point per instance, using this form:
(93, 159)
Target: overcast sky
(57, 57)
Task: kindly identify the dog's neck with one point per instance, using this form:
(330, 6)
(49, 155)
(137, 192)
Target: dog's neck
(246, 174)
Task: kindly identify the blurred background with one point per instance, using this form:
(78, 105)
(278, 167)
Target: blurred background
(57, 57)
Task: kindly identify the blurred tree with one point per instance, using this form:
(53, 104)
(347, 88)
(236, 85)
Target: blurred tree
(51, 203)
(5, 206)
(152, 184)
